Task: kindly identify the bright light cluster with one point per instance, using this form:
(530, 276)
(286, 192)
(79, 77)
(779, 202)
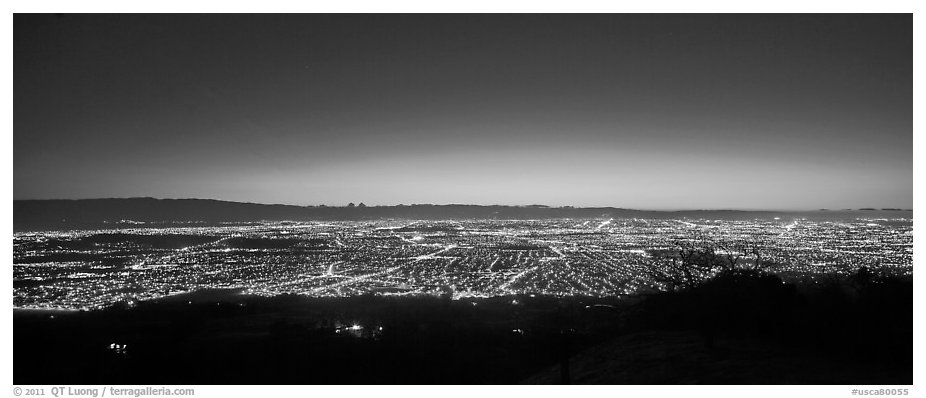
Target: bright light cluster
(475, 258)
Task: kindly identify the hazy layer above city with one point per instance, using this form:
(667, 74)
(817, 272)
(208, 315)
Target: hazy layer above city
(40, 215)
(634, 111)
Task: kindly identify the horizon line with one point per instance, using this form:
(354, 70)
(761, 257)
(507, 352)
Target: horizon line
(536, 205)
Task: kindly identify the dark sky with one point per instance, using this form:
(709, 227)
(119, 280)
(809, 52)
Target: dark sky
(637, 111)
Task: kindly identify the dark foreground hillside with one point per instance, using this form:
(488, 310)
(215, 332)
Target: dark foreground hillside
(223, 338)
(750, 328)
(739, 329)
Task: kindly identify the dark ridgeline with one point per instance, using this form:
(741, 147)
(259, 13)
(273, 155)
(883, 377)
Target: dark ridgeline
(35, 215)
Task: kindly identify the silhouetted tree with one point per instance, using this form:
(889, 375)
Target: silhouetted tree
(746, 250)
(693, 261)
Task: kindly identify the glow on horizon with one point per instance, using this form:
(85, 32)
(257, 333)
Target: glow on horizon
(585, 111)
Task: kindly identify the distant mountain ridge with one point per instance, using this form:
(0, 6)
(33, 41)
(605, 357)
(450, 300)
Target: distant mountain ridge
(59, 214)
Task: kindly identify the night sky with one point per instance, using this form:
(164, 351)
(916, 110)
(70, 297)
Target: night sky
(635, 111)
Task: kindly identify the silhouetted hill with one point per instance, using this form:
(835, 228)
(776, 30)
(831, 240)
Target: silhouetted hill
(749, 327)
(31, 215)
(95, 213)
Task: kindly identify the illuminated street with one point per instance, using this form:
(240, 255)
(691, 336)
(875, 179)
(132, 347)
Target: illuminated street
(482, 258)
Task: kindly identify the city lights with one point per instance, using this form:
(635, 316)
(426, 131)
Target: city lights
(475, 258)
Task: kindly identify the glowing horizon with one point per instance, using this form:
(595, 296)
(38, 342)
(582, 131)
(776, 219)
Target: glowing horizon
(632, 111)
